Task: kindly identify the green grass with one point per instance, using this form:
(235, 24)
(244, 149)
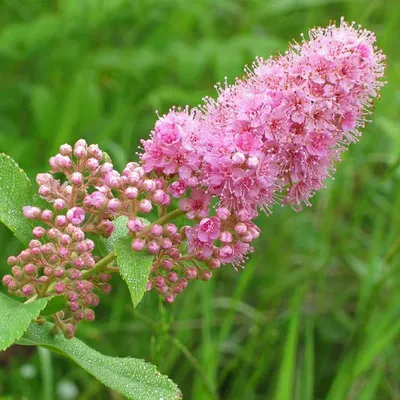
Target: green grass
(315, 313)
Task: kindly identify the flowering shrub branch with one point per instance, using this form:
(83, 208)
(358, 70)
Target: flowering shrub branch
(272, 137)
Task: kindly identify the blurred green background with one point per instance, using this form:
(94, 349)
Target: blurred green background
(315, 313)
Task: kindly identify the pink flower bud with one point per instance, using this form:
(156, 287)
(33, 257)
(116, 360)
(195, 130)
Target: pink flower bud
(31, 212)
(80, 152)
(47, 215)
(59, 272)
(25, 254)
(92, 164)
(223, 213)
(44, 179)
(145, 206)
(63, 162)
(89, 314)
(174, 253)
(59, 287)
(160, 281)
(244, 215)
(214, 263)
(30, 269)
(59, 204)
(76, 215)
(138, 244)
(63, 252)
(191, 273)
(149, 286)
(7, 279)
(106, 288)
(160, 197)
(253, 162)
(192, 182)
(238, 158)
(113, 179)
(169, 298)
(132, 192)
(73, 274)
(177, 188)
(73, 306)
(17, 271)
(95, 151)
(28, 290)
(66, 150)
(148, 185)
(170, 229)
(72, 297)
(226, 237)
(78, 315)
(65, 240)
(11, 260)
(48, 271)
(113, 205)
(53, 233)
(105, 277)
(13, 285)
(34, 243)
(76, 178)
(240, 228)
(173, 277)
(79, 263)
(47, 248)
(106, 168)
(156, 230)
(183, 282)
(153, 247)
(167, 264)
(135, 225)
(38, 232)
(166, 243)
(107, 227)
(206, 275)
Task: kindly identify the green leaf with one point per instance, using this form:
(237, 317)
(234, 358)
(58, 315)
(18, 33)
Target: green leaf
(56, 303)
(134, 268)
(15, 192)
(15, 318)
(132, 377)
(106, 246)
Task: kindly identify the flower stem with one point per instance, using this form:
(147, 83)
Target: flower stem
(100, 265)
(168, 217)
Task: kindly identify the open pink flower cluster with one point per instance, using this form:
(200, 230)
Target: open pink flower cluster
(271, 137)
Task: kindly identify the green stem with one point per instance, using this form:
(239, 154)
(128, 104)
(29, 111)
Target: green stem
(46, 372)
(100, 265)
(168, 217)
(196, 365)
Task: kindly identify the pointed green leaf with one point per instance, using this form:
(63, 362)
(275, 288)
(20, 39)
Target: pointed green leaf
(55, 304)
(132, 377)
(134, 268)
(15, 192)
(15, 318)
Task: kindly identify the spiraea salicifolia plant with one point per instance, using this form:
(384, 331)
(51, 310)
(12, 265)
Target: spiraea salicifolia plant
(187, 206)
